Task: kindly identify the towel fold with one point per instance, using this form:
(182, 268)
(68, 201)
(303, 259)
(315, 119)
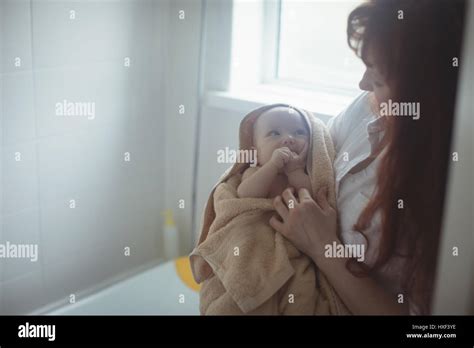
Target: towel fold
(244, 265)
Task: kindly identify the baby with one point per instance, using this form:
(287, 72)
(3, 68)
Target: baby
(243, 264)
(281, 139)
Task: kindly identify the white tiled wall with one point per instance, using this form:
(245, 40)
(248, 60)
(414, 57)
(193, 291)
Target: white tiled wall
(183, 35)
(66, 158)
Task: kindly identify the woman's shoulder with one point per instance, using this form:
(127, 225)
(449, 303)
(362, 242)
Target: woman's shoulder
(357, 114)
(358, 109)
(362, 101)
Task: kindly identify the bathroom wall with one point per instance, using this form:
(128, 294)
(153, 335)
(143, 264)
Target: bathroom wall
(455, 280)
(83, 188)
(183, 42)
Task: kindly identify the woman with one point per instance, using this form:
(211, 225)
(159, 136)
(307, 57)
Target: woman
(390, 170)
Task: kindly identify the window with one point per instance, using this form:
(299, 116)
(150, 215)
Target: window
(294, 43)
(313, 48)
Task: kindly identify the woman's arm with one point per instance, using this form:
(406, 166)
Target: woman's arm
(361, 295)
(311, 226)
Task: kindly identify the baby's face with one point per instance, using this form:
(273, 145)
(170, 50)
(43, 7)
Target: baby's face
(279, 127)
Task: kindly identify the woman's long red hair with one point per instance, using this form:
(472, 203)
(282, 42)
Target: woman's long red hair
(417, 54)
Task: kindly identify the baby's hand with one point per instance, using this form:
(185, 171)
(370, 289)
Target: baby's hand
(280, 157)
(296, 161)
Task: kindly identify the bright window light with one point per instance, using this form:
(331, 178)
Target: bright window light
(313, 50)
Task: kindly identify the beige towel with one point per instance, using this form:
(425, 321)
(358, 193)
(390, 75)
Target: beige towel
(244, 265)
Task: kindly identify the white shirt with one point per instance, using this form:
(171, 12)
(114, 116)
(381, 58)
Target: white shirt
(353, 144)
(356, 132)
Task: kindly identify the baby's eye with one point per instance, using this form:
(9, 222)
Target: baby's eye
(273, 133)
(300, 132)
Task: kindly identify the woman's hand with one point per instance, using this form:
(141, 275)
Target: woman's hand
(309, 225)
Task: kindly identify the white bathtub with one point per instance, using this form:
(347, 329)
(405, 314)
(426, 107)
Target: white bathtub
(157, 291)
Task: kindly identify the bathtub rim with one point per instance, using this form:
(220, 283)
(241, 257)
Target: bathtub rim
(99, 287)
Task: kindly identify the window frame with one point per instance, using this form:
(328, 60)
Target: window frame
(271, 34)
(252, 84)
